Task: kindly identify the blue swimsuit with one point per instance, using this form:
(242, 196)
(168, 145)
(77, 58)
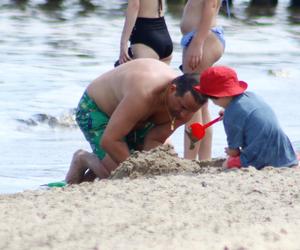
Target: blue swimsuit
(187, 38)
(218, 31)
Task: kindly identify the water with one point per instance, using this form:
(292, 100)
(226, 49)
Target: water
(49, 55)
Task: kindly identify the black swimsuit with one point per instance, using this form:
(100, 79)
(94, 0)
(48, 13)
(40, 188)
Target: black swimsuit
(154, 33)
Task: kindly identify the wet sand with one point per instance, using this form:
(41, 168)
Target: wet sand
(155, 200)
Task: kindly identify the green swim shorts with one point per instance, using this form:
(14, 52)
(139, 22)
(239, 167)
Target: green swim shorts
(92, 122)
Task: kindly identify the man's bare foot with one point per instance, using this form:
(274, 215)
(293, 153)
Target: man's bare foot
(77, 168)
(89, 176)
(96, 167)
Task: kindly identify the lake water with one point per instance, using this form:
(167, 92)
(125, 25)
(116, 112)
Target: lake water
(49, 55)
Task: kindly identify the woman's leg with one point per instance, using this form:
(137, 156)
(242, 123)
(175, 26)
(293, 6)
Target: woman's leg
(140, 50)
(212, 51)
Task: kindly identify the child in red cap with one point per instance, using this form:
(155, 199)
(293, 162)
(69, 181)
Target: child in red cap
(254, 135)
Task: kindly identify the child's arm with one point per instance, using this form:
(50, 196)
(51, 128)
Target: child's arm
(232, 151)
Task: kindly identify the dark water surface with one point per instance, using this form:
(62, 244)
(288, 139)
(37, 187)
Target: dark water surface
(49, 54)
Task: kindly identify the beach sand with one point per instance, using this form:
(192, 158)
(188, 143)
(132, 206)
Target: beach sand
(157, 201)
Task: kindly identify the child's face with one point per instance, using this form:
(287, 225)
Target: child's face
(217, 102)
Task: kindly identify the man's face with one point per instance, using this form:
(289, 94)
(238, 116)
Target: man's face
(183, 107)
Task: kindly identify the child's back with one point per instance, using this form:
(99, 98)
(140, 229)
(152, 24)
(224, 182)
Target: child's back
(251, 124)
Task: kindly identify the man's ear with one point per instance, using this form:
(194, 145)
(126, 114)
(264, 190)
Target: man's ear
(172, 87)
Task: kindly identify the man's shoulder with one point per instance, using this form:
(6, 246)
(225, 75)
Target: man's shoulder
(146, 62)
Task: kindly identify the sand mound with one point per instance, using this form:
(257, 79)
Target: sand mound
(208, 208)
(163, 160)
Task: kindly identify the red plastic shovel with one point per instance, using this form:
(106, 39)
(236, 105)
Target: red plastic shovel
(198, 130)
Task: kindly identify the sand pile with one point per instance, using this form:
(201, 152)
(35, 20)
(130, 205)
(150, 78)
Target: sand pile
(174, 204)
(163, 160)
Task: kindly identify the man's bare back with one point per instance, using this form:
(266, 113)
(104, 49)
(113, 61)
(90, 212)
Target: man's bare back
(139, 82)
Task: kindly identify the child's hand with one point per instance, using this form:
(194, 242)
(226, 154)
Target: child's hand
(226, 150)
(221, 112)
(232, 152)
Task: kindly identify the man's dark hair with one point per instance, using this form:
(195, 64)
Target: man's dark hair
(185, 83)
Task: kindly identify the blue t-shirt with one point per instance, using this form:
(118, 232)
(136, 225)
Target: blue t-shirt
(251, 125)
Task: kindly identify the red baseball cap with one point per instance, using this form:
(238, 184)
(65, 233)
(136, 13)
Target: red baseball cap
(220, 81)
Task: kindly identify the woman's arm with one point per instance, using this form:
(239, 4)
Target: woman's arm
(195, 51)
(130, 19)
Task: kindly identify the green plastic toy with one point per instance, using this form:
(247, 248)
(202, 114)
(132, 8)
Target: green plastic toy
(55, 184)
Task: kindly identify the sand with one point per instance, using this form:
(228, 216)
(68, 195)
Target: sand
(155, 200)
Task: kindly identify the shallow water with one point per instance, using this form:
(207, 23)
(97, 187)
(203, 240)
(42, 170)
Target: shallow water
(49, 55)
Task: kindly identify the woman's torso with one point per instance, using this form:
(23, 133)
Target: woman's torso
(151, 8)
(192, 15)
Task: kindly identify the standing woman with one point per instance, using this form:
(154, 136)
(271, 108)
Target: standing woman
(203, 45)
(146, 29)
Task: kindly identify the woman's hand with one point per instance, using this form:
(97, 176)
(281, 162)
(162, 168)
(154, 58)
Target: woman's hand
(124, 56)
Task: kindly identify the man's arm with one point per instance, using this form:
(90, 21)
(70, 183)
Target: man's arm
(157, 136)
(195, 50)
(125, 117)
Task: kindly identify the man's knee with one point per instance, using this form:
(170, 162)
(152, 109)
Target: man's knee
(80, 155)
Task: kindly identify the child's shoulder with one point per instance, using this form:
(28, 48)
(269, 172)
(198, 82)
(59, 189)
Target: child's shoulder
(243, 104)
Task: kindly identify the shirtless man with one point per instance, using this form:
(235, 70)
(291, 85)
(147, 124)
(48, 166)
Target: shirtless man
(203, 44)
(137, 105)
(147, 31)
